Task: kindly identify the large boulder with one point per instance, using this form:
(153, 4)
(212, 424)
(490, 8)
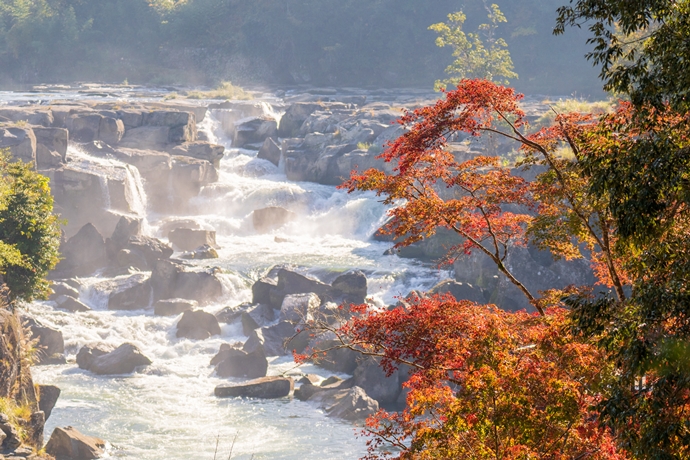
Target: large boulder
(47, 398)
(126, 228)
(267, 219)
(279, 339)
(265, 387)
(51, 146)
(84, 127)
(256, 316)
(181, 125)
(351, 287)
(235, 362)
(270, 151)
(335, 358)
(201, 150)
(175, 280)
(307, 390)
(294, 117)
(83, 254)
(150, 249)
(188, 239)
(351, 404)
(111, 130)
(461, 291)
(146, 137)
(60, 288)
(69, 303)
(21, 142)
(51, 344)
(69, 444)
(132, 292)
(123, 360)
(197, 325)
(254, 130)
(299, 308)
(291, 282)
(173, 307)
(88, 354)
(10, 438)
(371, 377)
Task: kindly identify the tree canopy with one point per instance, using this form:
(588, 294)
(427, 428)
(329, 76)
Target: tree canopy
(29, 231)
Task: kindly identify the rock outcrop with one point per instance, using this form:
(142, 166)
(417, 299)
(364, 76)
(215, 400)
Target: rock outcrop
(69, 444)
(125, 359)
(265, 387)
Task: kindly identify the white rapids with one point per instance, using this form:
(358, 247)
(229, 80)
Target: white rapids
(168, 411)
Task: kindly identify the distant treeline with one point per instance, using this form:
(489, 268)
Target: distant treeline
(381, 43)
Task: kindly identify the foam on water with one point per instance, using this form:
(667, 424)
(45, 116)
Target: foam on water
(168, 411)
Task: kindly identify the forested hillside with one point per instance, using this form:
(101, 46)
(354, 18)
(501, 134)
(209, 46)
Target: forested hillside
(381, 43)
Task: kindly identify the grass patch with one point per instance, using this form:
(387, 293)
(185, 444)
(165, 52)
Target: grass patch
(574, 105)
(225, 90)
(18, 415)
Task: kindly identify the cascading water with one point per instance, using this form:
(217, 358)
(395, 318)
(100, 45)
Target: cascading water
(168, 411)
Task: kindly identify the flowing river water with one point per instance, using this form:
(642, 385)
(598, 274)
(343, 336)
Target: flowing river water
(168, 411)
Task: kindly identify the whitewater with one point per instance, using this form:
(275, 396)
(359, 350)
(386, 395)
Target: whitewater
(168, 410)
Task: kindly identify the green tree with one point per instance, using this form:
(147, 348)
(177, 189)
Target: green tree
(481, 55)
(29, 231)
(643, 174)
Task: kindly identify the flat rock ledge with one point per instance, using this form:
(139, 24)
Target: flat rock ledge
(264, 387)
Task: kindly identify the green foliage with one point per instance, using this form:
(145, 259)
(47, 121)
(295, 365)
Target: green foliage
(482, 55)
(641, 46)
(27, 227)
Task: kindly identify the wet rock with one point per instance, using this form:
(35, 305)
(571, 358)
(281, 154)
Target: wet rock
(298, 308)
(181, 125)
(230, 314)
(254, 130)
(123, 360)
(187, 239)
(126, 228)
(349, 404)
(202, 252)
(83, 254)
(151, 249)
(351, 286)
(265, 387)
(175, 280)
(197, 325)
(51, 146)
(111, 130)
(236, 362)
(189, 175)
(308, 390)
(69, 303)
(50, 341)
(60, 288)
(270, 151)
(291, 282)
(336, 359)
(126, 258)
(130, 293)
(173, 307)
(309, 379)
(48, 396)
(256, 316)
(261, 290)
(331, 380)
(146, 137)
(267, 219)
(84, 127)
(461, 291)
(294, 117)
(373, 380)
(201, 150)
(69, 444)
(276, 339)
(21, 143)
(87, 355)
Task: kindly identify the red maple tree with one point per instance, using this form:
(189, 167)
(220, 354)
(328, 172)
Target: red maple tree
(486, 383)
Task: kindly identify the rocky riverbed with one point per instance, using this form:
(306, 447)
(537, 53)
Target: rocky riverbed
(199, 234)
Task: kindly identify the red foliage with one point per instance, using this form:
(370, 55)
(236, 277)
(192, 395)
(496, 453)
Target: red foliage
(484, 383)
